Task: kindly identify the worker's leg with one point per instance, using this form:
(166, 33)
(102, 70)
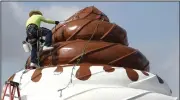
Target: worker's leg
(34, 60)
(48, 41)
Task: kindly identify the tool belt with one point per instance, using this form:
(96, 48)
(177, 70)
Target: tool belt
(32, 33)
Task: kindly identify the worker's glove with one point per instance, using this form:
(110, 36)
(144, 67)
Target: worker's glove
(56, 22)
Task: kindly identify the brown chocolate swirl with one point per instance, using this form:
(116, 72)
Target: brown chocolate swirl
(96, 53)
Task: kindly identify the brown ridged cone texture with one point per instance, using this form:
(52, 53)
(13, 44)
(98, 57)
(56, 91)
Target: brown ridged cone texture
(84, 28)
(95, 52)
(104, 43)
(90, 12)
(90, 21)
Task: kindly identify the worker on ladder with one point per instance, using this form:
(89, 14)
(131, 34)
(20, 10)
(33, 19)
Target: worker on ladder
(34, 30)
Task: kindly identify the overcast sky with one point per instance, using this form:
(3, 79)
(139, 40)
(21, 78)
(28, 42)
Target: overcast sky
(152, 28)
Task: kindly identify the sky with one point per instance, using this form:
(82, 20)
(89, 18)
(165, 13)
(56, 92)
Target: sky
(152, 28)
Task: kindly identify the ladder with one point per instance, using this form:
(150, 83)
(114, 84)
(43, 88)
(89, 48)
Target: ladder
(12, 87)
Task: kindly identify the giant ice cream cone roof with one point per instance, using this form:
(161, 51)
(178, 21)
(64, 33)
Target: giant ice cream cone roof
(91, 60)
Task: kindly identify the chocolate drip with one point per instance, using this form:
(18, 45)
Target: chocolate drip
(37, 75)
(83, 73)
(59, 69)
(108, 69)
(11, 78)
(132, 74)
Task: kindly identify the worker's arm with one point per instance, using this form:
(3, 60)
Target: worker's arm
(47, 20)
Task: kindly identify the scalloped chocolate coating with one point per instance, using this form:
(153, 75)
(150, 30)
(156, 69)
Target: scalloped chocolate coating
(85, 28)
(11, 78)
(96, 53)
(37, 75)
